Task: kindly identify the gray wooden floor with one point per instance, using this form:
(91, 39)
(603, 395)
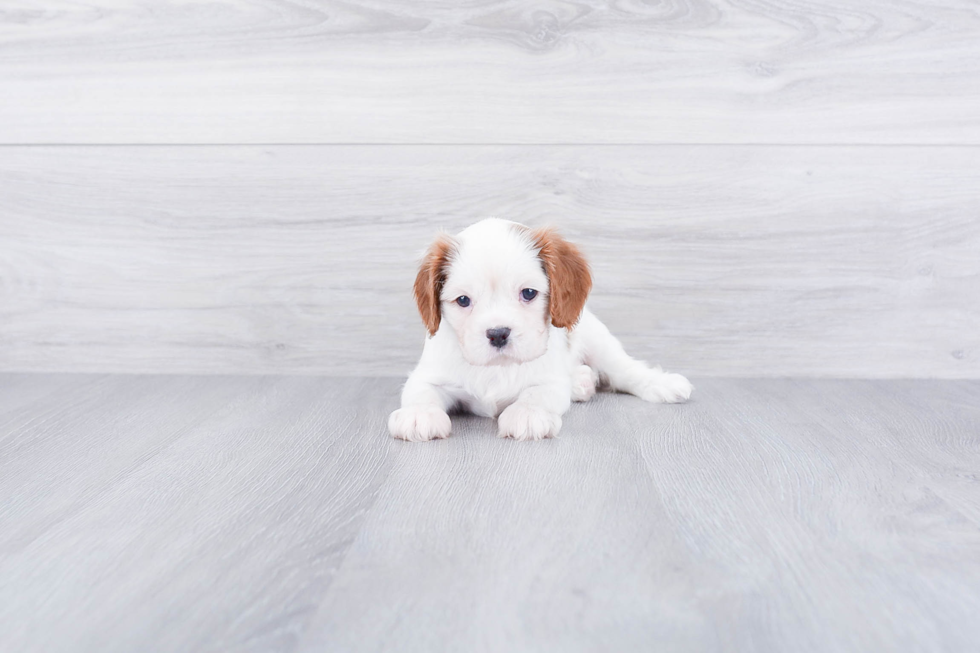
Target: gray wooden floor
(176, 513)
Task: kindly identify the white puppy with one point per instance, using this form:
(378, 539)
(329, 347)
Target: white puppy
(510, 337)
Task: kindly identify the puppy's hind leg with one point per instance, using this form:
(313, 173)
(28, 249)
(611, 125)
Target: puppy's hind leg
(602, 351)
(585, 380)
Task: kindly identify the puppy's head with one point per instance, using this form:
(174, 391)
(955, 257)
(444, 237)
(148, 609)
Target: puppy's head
(498, 285)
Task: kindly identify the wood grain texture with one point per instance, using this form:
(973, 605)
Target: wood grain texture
(744, 261)
(127, 500)
(552, 71)
(833, 491)
(275, 514)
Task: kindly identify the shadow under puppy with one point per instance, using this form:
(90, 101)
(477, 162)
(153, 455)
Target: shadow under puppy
(509, 337)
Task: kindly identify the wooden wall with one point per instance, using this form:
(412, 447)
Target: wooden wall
(764, 188)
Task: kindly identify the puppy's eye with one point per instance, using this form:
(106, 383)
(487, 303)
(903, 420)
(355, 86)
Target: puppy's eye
(528, 294)
(463, 301)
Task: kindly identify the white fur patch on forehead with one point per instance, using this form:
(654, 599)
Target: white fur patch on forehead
(495, 251)
(494, 231)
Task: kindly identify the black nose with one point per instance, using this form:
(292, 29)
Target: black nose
(498, 337)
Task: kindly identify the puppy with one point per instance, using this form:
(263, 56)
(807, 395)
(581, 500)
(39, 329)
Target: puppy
(509, 337)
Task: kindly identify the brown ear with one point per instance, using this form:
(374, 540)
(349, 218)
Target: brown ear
(568, 275)
(431, 277)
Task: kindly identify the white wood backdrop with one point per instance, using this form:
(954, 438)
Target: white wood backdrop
(714, 260)
(764, 188)
(511, 71)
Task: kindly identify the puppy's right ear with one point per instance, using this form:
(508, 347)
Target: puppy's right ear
(430, 279)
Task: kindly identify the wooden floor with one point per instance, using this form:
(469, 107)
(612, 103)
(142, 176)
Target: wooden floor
(178, 513)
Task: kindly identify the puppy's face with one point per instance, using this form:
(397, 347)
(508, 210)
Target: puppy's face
(498, 285)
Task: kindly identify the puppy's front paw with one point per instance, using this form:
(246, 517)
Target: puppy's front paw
(664, 387)
(524, 422)
(419, 423)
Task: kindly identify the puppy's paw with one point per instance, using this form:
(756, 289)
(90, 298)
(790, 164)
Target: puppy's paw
(524, 422)
(664, 387)
(419, 423)
(584, 382)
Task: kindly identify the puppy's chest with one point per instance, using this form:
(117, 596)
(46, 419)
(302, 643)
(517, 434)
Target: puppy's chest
(487, 393)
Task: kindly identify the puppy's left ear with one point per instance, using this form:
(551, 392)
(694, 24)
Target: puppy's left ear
(568, 276)
(430, 279)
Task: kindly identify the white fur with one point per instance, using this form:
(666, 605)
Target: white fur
(530, 383)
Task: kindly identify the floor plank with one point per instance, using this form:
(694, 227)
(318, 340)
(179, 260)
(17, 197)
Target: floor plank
(220, 71)
(496, 545)
(755, 518)
(264, 513)
(824, 491)
(205, 513)
(116, 426)
(742, 261)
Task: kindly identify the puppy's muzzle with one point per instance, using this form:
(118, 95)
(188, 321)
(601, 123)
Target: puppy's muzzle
(498, 337)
